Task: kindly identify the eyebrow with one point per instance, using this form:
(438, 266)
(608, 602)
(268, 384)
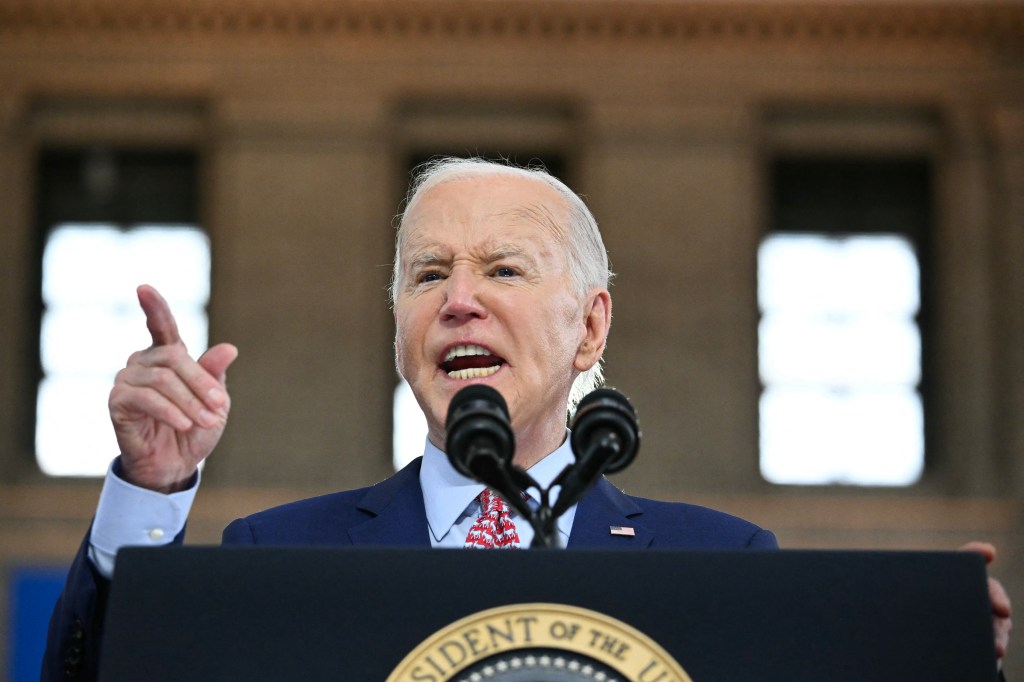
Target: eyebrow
(424, 258)
(430, 256)
(504, 251)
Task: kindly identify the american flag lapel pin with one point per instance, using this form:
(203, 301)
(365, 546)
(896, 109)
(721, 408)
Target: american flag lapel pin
(622, 530)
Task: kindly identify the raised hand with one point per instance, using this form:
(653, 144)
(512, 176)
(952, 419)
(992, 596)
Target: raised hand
(168, 410)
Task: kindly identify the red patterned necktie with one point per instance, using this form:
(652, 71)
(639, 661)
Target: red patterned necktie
(494, 528)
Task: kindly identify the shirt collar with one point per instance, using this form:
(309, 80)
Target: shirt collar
(447, 493)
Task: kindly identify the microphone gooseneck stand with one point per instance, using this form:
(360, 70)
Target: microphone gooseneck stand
(480, 444)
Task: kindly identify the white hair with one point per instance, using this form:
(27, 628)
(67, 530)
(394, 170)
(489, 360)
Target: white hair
(585, 252)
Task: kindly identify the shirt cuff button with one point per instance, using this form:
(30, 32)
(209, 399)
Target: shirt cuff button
(156, 534)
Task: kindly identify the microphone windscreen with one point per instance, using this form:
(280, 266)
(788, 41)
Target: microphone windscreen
(478, 433)
(606, 397)
(485, 397)
(606, 410)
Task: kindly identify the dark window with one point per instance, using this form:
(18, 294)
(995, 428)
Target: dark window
(109, 220)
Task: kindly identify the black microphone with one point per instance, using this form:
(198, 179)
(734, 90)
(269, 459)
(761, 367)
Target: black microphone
(605, 439)
(480, 444)
(479, 439)
(605, 432)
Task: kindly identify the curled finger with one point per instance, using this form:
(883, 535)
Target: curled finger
(128, 402)
(171, 386)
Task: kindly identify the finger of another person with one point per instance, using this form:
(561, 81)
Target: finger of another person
(161, 323)
(1000, 599)
(985, 549)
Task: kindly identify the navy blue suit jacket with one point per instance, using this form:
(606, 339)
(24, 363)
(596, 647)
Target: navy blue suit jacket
(391, 514)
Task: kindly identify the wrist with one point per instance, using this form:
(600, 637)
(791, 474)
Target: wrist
(158, 482)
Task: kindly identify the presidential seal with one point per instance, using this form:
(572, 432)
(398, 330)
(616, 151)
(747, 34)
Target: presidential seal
(538, 643)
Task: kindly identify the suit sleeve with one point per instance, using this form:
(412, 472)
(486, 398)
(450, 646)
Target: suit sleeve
(763, 539)
(238, 532)
(76, 626)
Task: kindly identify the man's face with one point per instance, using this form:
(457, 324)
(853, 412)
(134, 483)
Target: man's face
(484, 296)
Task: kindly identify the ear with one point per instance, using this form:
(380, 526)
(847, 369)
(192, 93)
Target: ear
(597, 320)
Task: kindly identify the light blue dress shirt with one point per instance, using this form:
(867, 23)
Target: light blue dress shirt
(452, 507)
(129, 516)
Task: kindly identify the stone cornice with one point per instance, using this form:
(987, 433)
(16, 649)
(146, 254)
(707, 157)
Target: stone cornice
(996, 27)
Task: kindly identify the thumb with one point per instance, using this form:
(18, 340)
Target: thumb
(216, 360)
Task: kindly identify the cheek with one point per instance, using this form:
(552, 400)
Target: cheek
(403, 342)
(399, 353)
(564, 332)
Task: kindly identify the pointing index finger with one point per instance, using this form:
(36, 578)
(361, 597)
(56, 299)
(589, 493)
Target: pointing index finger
(159, 319)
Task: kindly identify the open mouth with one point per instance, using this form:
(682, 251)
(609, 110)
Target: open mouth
(470, 362)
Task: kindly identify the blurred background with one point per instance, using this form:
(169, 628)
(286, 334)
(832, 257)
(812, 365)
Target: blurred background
(815, 211)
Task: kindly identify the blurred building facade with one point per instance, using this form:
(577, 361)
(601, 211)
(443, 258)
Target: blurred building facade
(668, 116)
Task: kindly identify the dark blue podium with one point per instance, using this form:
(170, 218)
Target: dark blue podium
(241, 613)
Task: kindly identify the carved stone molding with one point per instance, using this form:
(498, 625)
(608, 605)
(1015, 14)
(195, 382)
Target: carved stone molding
(991, 27)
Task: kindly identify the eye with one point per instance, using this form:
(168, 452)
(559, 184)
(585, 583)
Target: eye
(505, 271)
(427, 277)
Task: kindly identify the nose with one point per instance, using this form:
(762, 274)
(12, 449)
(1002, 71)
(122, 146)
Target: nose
(462, 296)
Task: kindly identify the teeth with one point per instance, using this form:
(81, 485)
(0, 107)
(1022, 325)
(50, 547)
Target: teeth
(462, 351)
(474, 372)
(471, 372)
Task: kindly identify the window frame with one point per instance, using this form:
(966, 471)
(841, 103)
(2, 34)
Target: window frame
(920, 168)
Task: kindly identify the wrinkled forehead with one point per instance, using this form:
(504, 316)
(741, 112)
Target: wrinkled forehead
(494, 207)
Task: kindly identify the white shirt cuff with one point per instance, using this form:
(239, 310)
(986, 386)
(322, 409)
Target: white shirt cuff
(128, 515)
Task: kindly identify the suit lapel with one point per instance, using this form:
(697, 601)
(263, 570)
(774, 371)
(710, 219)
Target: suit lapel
(601, 509)
(396, 516)
(396, 512)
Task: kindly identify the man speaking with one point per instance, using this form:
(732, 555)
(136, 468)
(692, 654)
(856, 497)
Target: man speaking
(501, 279)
